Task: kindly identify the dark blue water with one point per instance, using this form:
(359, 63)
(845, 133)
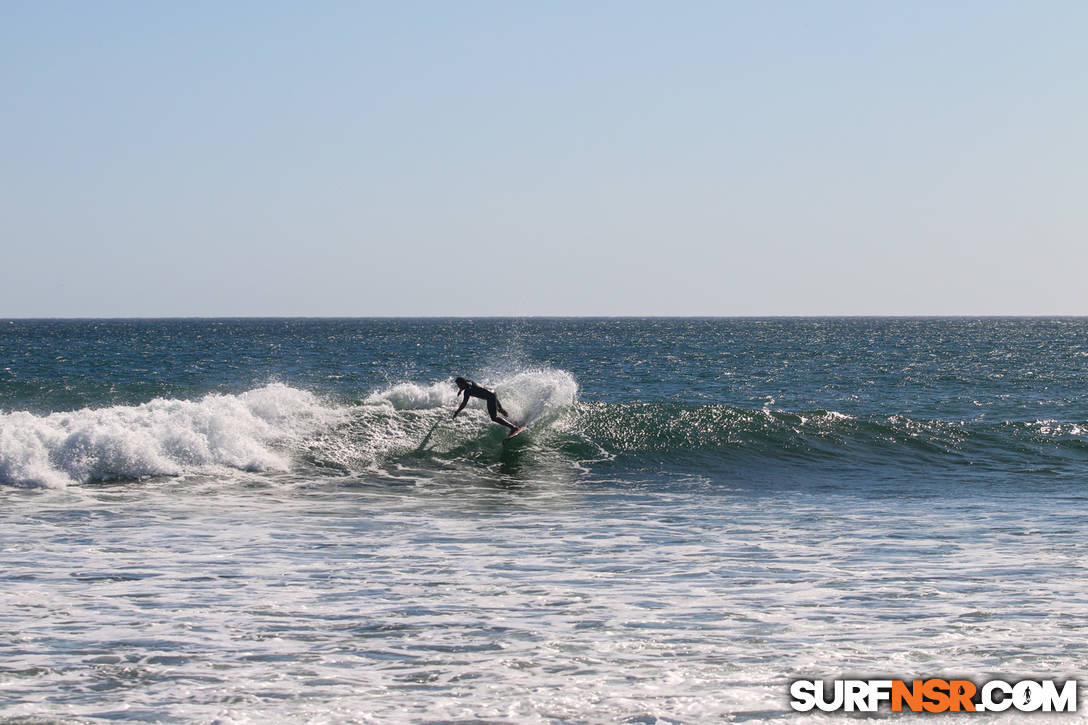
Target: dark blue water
(953, 368)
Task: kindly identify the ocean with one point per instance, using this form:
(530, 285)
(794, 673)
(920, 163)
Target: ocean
(266, 521)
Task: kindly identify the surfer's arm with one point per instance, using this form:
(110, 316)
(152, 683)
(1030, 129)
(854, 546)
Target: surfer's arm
(464, 402)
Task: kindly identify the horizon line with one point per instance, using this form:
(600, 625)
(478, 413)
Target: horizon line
(547, 317)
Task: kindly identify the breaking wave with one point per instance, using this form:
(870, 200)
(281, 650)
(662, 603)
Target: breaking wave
(408, 424)
(159, 438)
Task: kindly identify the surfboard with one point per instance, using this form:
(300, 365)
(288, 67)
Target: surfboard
(513, 433)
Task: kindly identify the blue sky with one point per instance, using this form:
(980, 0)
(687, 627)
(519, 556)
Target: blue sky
(558, 158)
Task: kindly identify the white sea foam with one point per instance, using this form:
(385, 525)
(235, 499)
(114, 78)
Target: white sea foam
(410, 396)
(528, 603)
(255, 431)
(159, 438)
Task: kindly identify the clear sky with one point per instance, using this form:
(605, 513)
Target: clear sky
(409, 158)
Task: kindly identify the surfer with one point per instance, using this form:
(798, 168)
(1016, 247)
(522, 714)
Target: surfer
(469, 389)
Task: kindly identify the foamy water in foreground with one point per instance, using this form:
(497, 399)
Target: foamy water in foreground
(188, 601)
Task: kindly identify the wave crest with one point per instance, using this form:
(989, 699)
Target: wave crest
(158, 438)
(410, 396)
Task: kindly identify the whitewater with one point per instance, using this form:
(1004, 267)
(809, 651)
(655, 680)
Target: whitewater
(233, 521)
(271, 428)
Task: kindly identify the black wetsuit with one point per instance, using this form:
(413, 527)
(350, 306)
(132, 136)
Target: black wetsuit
(476, 391)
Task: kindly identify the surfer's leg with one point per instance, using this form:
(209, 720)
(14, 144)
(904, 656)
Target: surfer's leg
(493, 411)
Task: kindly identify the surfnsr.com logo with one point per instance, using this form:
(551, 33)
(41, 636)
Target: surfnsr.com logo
(934, 695)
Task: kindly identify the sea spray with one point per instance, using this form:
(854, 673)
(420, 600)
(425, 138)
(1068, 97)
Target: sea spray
(532, 395)
(411, 396)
